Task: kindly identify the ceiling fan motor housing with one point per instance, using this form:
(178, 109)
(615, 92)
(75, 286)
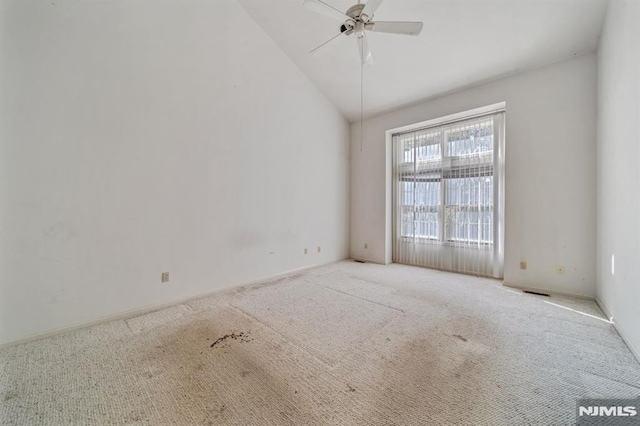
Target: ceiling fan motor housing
(357, 21)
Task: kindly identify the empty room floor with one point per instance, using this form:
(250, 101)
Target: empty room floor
(347, 343)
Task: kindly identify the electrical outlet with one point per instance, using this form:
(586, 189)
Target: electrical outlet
(305, 251)
(366, 246)
(560, 269)
(523, 265)
(318, 249)
(165, 277)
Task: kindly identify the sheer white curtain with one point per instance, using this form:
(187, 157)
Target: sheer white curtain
(449, 196)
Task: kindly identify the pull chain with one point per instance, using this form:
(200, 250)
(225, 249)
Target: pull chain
(361, 92)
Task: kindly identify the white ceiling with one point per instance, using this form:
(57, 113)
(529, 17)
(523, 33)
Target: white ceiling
(463, 42)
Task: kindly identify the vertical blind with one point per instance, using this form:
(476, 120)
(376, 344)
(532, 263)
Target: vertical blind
(449, 196)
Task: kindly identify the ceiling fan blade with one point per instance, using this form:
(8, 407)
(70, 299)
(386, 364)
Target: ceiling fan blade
(365, 53)
(332, 41)
(405, 28)
(325, 9)
(371, 7)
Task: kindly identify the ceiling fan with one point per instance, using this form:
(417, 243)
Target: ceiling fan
(357, 20)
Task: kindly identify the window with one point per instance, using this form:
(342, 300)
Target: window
(446, 183)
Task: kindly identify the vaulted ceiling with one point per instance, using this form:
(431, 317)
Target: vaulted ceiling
(463, 42)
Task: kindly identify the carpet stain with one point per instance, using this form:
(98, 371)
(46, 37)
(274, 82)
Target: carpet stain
(426, 365)
(9, 396)
(242, 336)
(265, 368)
(136, 418)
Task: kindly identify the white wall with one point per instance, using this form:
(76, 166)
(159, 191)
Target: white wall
(142, 137)
(550, 173)
(618, 168)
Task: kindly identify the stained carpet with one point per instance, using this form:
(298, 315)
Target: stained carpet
(343, 344)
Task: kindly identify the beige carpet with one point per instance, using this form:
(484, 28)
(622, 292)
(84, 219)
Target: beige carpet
(343, 344)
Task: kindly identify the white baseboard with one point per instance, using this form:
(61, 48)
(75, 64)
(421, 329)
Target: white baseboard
(364, 259)
(547, 291)
(151, 308)
(635, 351)
(604, 309)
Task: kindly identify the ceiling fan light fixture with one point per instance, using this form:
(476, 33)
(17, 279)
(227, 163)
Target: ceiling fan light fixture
(359, 18)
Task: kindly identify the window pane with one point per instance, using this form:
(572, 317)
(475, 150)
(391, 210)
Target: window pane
(427, 222)
(469, 225)
(420, 223)
(470, 191)
(469, 140)
(420, 206)
(407, 150)
(457, 225)
(406, 222)
(469, 209)
(406, 195)
(428, 146)
(428, 193)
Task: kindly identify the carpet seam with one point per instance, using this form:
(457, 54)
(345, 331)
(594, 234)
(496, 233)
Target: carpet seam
(357, 297)
(288, 340)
